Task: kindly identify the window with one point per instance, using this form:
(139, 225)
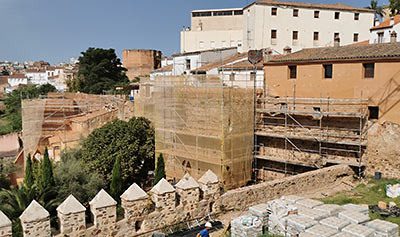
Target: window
(292, 72)
(337, 15)
(373, 112)
(201, 44)
(273, 34)
(239, 44)
(199, 14)
(238, 12)
(335, 36)
(316, 36)
(328, 71)
(274, 11)
(187, 64)
(224, 44)
(252, 76)
(232, 77)
(295, 12)
(369, 70)
(355, 37)
(295, 35)
(380, 37)
(212, 44)
(316, 14)
(223, 13)
(356, 16)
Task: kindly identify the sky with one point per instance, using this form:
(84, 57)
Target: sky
(56, 30)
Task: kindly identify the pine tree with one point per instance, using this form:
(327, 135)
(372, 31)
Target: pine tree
(46, 177)
(29, 179)
(160, 169)
(116, 181)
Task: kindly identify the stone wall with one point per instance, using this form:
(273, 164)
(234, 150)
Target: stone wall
(140, 62)
(197, 199)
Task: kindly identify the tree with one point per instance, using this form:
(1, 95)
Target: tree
(394, 6)
(72, 178)
(7, 167)
(378, 9)
(116, 181)
(46, 175)
(160, 169)
(99, 70)
(132, 142)
(29, 179)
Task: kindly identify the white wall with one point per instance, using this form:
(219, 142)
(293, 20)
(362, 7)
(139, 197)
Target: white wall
(190, 40)
(386, 34)
(258, 23)
(17, 81)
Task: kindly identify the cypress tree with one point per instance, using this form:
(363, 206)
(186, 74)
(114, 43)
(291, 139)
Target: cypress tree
(116, 181)
(29, 179)
(160, 169)
(46, 177)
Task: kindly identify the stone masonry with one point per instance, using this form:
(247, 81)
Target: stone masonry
(5, 225)
(165, 206)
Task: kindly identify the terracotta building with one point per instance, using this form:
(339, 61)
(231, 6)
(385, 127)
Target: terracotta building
(140, 62)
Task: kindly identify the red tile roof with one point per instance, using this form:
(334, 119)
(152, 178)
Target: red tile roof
(380, 51)
(337, 6)
(386, 23)
(17, 75)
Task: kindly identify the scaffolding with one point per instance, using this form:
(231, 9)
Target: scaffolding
(202, 123)
(310, 133)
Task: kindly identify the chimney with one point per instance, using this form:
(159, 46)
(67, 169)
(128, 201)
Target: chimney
(336, 42)
(377, 22)
(287, 50)
(391, 20)
(393, 37)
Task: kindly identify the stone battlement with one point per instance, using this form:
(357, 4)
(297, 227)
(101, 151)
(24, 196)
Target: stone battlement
(164, 205)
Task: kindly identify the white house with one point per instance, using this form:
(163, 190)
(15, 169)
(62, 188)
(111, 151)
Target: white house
(37, 76)
(386, 31)
(277, 24)
(17, 79)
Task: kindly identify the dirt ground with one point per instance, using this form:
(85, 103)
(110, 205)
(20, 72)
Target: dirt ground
(319, 192)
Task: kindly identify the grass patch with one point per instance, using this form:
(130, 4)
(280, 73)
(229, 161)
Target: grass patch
(370, 193)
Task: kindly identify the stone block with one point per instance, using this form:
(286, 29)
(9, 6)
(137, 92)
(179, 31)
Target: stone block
(384, 228)
(261, 212)
(308, 203)
(321, 230)
(354, 217)
(312, 214)
(292, 199)
(335, 222)
(329, 209)
(382, 205)
(342, 234)
(357, 208)
(300, 223)
(305, 234)
(359, 230)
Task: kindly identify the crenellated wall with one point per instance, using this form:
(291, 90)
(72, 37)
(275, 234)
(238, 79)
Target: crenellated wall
(164, 205)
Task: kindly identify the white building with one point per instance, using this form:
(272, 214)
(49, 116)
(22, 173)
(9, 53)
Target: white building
(17, 79)
(37, 76)
(275, 24)
(382, 33)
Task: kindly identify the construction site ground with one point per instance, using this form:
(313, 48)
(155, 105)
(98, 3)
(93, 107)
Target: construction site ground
(332, 190)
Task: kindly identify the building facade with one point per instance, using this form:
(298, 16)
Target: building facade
(276, 25)
(383, 32)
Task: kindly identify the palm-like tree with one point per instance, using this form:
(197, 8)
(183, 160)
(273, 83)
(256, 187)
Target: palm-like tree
(378, 9)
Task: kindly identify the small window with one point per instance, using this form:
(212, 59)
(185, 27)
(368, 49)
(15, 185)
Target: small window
(335, 36)
(337, 15)
(373, 112)
(292, 72)
(380, 37)
(223, 13)
(316, 14)
(316, 36)
(252, 76)
(328, 71)
(356, 16)
(199, 14)
(273, 34)
(317, 109)
(239, 44)
(232, 77)
(295, 12)
(212, 44)
(369, 70)
(187, 64)
(355, 37)
(295, 35)
(274, 11)
(238, 12)
(201, 44)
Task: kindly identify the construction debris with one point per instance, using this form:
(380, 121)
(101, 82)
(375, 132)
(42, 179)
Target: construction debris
(246, 226)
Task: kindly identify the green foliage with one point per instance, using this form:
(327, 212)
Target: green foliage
(132, 142)
(12, 102)
(29, 179)
(72, 178)
(394, 7)
(116, 181)
(374, 6)
(7, 167)
(160, 169)
(46, 175)
(99, 70)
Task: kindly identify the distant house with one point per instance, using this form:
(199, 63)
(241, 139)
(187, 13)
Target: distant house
(386, 31)
(17, 79)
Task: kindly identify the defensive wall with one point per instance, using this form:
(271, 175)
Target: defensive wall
(140, 62)
(164, 205)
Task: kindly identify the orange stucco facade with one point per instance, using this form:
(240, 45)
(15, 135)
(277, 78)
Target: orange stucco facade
(347, 82)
